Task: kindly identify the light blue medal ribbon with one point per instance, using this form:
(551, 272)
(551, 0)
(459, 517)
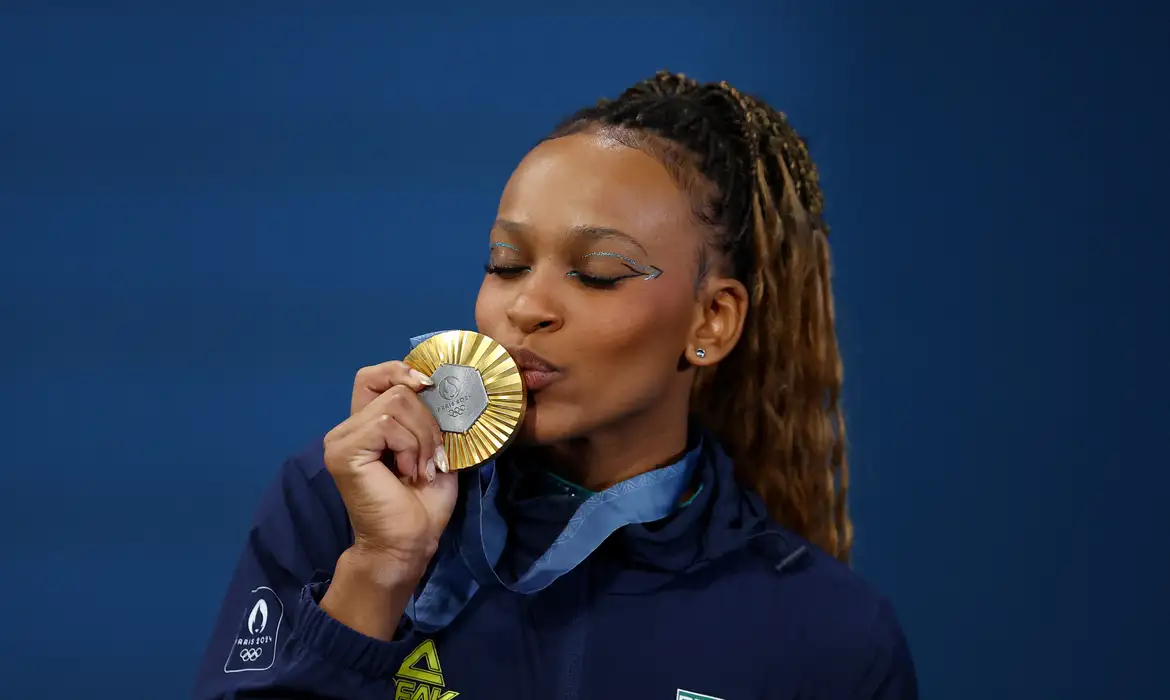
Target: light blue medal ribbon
(416, 340)
(645, 498)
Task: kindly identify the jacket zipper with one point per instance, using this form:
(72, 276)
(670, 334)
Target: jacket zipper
(574, 668)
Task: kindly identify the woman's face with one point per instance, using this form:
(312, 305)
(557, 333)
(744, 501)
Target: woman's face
(594, 257)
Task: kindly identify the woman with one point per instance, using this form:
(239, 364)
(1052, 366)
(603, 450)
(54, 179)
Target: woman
(672, 521)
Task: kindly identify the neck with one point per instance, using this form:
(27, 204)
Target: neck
(635, 445)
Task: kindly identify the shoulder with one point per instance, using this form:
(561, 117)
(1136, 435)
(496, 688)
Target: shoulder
(839, 597)
(846, 631)
(303, 475)
(307, 463)
(302, 508)
(802, 587)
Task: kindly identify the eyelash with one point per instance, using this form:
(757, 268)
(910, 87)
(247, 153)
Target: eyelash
(509, 272)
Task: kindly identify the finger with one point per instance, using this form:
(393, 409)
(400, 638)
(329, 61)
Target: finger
(373, 381)
(409, 411)
(398, 439)
(367, 440)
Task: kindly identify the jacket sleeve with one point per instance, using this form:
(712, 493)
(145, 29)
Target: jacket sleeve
(271, 640)
(859, 653)
(891, 674)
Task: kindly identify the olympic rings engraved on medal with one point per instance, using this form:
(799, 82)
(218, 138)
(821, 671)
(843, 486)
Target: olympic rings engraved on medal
(457, 411)
(251, 653)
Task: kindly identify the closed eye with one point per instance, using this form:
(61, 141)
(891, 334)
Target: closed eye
(509, 272)
(504, 271)
(597, 282)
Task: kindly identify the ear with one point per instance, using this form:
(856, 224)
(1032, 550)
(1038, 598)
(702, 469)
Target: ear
(720, 311)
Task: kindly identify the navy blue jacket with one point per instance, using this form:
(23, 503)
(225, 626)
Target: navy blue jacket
(715, 601)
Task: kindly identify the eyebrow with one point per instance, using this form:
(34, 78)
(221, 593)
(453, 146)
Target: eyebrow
(586, 232)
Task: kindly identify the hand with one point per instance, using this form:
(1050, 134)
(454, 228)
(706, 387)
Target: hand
(399, 512)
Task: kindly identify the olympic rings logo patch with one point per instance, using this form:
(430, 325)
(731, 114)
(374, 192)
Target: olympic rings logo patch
(251, 653)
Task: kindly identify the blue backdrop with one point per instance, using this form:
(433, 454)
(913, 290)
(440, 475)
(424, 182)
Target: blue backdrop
(212, 215)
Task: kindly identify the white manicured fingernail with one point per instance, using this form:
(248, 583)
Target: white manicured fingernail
(431, 470)
(421, 378)
(441, 459)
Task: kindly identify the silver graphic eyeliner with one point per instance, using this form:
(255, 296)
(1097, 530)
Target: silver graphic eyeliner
(649, 271)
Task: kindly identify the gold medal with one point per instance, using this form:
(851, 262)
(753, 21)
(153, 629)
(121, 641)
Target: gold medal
(478, 398)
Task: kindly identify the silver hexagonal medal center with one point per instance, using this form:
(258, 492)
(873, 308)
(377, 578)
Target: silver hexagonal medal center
(457, 399)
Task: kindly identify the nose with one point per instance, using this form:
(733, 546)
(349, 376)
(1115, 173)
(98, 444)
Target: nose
(535, 308)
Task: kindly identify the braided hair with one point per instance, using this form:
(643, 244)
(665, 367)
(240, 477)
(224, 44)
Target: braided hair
(774, 402)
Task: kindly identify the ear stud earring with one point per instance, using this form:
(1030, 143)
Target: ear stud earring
(700, 353)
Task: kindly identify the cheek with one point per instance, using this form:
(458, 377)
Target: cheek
(640, 342)
(489, 310)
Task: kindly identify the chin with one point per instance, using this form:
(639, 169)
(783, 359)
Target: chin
(548, 423)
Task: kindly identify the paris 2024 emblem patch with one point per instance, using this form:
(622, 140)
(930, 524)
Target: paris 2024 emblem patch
(254, 648)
